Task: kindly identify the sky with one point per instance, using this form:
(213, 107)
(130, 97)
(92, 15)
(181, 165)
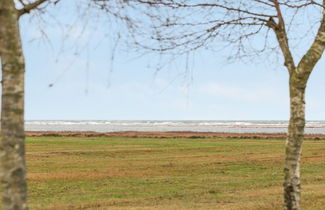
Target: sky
(70, 76)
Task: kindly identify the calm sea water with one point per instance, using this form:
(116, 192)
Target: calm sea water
(151, 125)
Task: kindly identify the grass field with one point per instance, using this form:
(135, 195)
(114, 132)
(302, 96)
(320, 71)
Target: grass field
(147, 173)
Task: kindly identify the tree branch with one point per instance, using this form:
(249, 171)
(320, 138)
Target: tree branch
(315, 52)
(281, 35)
(29, 7)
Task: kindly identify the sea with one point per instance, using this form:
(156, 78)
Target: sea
(224, 126)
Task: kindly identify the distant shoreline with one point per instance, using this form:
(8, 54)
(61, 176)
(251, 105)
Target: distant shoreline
(157, 128)
(169, 134)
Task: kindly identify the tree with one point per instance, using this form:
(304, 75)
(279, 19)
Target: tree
(13, 172)
(12, 146)
(182, 26)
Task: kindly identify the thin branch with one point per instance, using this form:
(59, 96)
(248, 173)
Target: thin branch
(29, 7)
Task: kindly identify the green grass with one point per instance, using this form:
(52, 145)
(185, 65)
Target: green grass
(149, 173)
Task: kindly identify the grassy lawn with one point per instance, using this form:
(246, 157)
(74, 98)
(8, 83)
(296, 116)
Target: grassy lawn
(146, 173)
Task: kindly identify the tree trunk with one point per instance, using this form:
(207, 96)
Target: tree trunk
(12, 151)
(294, 144)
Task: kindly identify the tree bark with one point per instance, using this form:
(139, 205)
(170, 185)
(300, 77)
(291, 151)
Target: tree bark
(294, 144)
(12, 151)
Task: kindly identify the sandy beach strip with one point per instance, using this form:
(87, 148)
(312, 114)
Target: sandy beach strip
(170, 134)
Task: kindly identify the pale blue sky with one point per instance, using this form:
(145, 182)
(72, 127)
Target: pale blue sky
(218, 91)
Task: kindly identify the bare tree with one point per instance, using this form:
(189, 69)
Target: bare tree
(12, 151)
(249, 28)
(12, 146)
